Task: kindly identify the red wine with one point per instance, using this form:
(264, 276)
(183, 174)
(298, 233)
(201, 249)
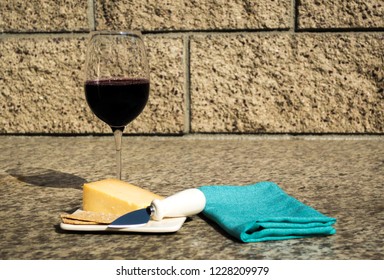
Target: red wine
(117, 101)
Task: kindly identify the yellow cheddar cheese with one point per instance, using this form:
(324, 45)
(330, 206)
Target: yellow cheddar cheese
(115, 197)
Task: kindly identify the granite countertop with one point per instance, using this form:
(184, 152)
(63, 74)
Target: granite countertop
(41, 176)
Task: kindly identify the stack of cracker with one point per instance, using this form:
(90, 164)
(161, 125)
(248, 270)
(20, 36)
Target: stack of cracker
(81, 217)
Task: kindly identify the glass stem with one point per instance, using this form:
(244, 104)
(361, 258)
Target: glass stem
(118, 134)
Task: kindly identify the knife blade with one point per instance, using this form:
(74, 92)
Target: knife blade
(182, 204)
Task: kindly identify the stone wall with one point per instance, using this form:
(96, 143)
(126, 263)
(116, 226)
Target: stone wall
(217, 66)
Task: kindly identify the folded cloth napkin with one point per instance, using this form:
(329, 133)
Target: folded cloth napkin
(263, 211)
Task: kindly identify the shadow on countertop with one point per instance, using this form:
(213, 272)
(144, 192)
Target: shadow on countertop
(49, 178)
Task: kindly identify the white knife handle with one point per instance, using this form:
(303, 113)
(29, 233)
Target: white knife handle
(181, 204)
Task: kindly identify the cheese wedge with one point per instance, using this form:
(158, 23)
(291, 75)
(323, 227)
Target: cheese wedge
(115, 197)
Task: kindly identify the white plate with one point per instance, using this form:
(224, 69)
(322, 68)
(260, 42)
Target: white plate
(165, 225)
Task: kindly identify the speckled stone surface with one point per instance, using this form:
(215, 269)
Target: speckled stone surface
(41, 86)
(340, 14)
(313, 83)
(192, 15)
(42, 176)
(43, 15)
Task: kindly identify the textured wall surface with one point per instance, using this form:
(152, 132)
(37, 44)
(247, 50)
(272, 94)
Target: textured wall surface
(285, 83)
(242, 66)
(192, 15)
(43, 15)
(334, 14)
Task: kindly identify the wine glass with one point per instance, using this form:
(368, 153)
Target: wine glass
(116, 80)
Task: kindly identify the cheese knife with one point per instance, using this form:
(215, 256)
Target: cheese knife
(182, 204)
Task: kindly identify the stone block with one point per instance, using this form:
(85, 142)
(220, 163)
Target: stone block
(43, 15)
(165, 110)
(41, 87)
(192, 15)
(287, 83)
(341, 14)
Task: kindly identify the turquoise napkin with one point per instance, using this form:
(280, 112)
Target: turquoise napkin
(263, 211)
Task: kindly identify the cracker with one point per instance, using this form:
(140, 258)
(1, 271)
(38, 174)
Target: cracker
(88, 216)
(77, 222)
